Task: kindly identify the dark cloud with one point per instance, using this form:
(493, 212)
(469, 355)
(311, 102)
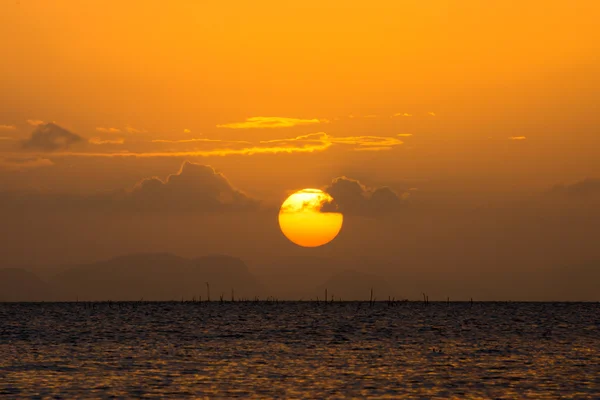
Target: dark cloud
(352, 197)
(194, 187)
(51, 137)
(583, 189)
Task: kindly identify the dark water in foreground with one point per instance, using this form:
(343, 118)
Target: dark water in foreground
(300, 350)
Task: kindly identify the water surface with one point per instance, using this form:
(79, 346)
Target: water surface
(300, 350)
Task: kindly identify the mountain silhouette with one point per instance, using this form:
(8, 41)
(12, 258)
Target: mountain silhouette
(158, 276)
(18, 284)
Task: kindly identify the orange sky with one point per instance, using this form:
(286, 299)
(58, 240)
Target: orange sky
(462, 77)
(446, 102)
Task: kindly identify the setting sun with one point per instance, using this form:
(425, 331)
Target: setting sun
(303, 221)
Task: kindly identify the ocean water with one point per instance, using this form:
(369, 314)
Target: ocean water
(300, 350)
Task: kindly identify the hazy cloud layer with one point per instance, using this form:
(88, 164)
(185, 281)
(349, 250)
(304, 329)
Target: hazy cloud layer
(587, 188)
(194, 187)
(271, 122)
(7, 127)
(51, 137)
(354, 198)
(22, 164)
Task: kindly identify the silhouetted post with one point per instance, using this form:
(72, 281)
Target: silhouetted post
(371, 299)
(232, 297)
(326, 297)
(424, 298)
(208, 291)
(471, 302)
(448, 300)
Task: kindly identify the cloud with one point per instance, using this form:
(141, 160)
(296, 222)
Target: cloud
(131, 129)
(353, 198)
(200, 140)
(584, 189)
(405, 134)
(358, 143)
(402, 115)
(98, 141)
(187, 131)
(373, 148)
(194, 187)
(50, 137)
(431, 113)
(108, 130)
(6, 138)
(7, 127)
(35, 122)
(314, 142)
(22, 164)
(311, 200)
(517, 138)
(271, 122)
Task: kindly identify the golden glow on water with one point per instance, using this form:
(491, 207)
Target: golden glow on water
(303, 223)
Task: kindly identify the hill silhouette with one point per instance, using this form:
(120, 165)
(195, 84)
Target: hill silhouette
(164, 276)
(158, 276)
(17, 284)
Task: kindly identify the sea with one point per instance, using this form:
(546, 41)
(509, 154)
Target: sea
(300, 350)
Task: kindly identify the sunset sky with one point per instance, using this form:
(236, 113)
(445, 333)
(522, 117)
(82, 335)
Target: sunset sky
(181, 126)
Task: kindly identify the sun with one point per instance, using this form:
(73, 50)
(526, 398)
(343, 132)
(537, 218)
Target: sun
(304, 221)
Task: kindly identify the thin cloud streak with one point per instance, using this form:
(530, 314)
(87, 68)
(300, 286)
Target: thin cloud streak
(131, 129)
(7, 128)
(99, 141)
(200, 140)
(108, 130)
(207, 153)
(360, 141)
(22, 164)
(314, 142)
(271, 122)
